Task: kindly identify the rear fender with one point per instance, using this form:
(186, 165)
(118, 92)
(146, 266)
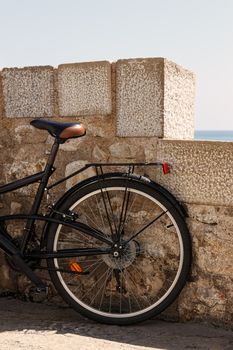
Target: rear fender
(154, 185)
(170, 197)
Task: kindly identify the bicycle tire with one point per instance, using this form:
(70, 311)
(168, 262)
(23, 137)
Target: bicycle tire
(149, 274)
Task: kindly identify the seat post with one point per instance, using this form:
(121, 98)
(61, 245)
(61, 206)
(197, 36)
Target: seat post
(52, 155)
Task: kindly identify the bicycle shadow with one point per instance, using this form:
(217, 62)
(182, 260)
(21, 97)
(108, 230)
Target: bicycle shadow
(24, 317)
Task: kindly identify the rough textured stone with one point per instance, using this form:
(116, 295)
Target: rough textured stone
(1, 97)
(84, 88)
(204, 214)
(99, 155)
(28, 134)
(28, 92)
(100, 126)
(209, 294)
(74, 166)
(15, 207)
(154, 97)
(151, 150)
(139, 97)
(207, 302)
(124, 149)
(214, 254)
(7, 281)
(28, 160)
(70, 145)
(22, 169)
(203, 170)
(179, 95)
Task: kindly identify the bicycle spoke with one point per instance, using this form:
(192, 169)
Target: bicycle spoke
(123, 212)
(121, 290)
(107, 273)
(110, 301)
(96, 225)
(146, 226)
(106, 209)
(101, 216)
(136, 299)
(94, 285)
(104, 287)
(134, 278)
(90, 219)
(131, 207)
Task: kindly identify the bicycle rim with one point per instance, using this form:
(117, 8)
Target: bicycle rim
(145, 278)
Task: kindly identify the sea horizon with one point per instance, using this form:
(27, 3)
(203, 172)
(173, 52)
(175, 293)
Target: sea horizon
(218, 135)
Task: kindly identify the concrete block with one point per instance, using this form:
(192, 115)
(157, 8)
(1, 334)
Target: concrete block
(203, 171)
(84, 89)
(28, 92)
(154, 97)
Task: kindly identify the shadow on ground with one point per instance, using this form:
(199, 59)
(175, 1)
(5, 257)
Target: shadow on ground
(18, 317)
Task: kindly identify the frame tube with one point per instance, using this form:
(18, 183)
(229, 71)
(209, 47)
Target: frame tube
(90, 231)
(21, 183)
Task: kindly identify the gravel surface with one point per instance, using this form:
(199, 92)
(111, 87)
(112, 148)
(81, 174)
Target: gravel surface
(31, 326)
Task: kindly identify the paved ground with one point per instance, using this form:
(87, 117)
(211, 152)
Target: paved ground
(38, 326)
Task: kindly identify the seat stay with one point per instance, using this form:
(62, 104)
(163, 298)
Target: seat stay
(80, 226)
(68, 253)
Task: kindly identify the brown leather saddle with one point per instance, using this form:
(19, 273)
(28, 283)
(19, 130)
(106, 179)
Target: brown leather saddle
(61, 131)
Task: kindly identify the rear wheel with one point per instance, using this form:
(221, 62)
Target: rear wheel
(149, 260)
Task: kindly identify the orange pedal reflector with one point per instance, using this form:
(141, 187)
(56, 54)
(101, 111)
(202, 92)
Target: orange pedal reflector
(75, 267)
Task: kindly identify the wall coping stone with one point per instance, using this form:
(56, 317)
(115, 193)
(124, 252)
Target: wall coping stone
(28, 92)
(84, 88)
(203, 170)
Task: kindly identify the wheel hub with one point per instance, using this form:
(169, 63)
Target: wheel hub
(122, 255)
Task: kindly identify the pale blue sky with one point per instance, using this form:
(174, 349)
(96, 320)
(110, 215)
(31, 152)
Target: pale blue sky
(197, 34)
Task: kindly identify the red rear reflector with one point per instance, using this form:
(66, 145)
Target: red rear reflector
(166, 169)
(75, 267)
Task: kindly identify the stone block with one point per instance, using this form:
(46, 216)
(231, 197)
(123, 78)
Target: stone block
(74, 166)
(215, 257)
(84, 89)
(25, 133)
(28, 92)
(126, 149)
(154, 97)
(7, 281)
(202, 300)
(139, 97)
(203, 170)
(100, 126)
(1, 98)
(179, 96)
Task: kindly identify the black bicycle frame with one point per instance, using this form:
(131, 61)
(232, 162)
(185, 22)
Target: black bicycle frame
(43, 178)
(19, 254)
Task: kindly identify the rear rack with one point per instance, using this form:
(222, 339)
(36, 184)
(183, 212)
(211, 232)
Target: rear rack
(99, 168)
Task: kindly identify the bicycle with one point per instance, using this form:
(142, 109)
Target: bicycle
(117, 247)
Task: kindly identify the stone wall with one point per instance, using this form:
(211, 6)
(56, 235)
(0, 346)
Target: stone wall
(134, 110)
